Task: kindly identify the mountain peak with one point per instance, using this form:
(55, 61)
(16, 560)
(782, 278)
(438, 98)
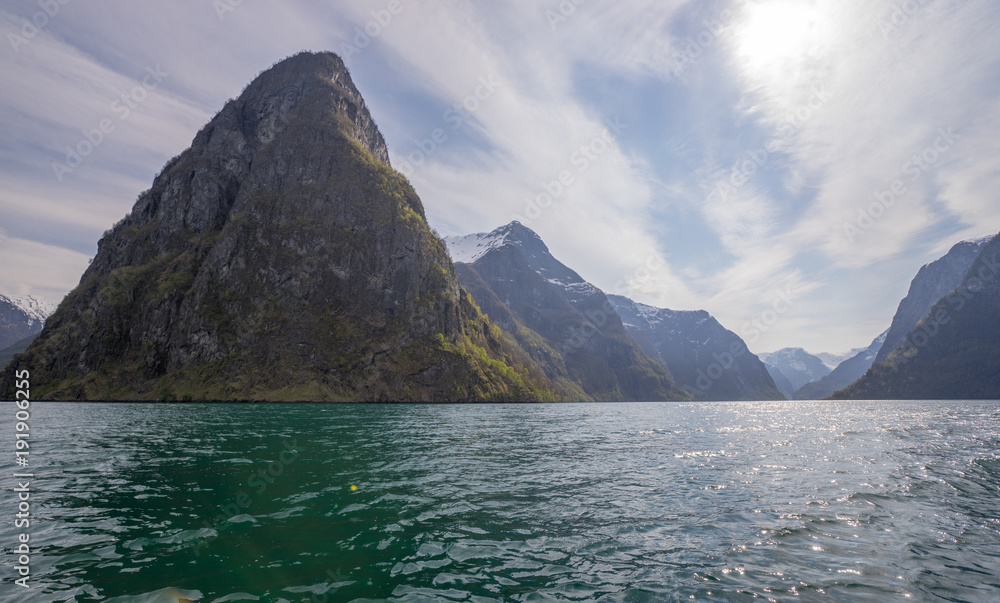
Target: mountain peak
(303, 87)
(469, 248)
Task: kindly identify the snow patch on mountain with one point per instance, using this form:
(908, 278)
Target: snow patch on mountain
(35, 309)
(469, 248)
(981, 241)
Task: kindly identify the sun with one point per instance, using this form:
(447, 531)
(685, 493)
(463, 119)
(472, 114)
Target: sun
(779, 34)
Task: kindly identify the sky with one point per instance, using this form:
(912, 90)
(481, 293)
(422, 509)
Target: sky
(787, 165)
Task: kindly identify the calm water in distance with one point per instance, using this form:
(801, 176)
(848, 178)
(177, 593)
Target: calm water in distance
(834, 501)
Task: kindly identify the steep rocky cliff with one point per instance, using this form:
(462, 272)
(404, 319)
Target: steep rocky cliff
(953, 352)
(279, 257)
(932, 282)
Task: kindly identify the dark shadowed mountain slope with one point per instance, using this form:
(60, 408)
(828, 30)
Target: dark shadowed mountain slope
(279, 257)
(567, 325)
(706, 360)
(932, 282)
(846, 373)
(954, 351)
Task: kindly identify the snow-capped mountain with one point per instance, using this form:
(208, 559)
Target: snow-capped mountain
(564, 323)
(469, 248)
(797, 365)
(21, 317)
(846, 373)
(33, 308)
(706, 359)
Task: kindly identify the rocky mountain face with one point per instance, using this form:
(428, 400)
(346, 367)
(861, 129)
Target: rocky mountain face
(796, 365)
(279, 257)
(933, 281)
(846, 373)
(21, 317)
(953, 351)
(564, 323)
(707, 360)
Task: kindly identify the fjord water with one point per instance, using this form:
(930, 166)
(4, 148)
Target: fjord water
(844, 501)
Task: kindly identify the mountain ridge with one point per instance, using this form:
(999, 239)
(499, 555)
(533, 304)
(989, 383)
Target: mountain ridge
(708, 361)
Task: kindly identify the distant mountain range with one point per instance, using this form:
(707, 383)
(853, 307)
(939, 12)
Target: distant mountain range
(582, 336)
(796, 365)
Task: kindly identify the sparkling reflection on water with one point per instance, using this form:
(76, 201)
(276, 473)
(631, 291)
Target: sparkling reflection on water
(609, 502)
